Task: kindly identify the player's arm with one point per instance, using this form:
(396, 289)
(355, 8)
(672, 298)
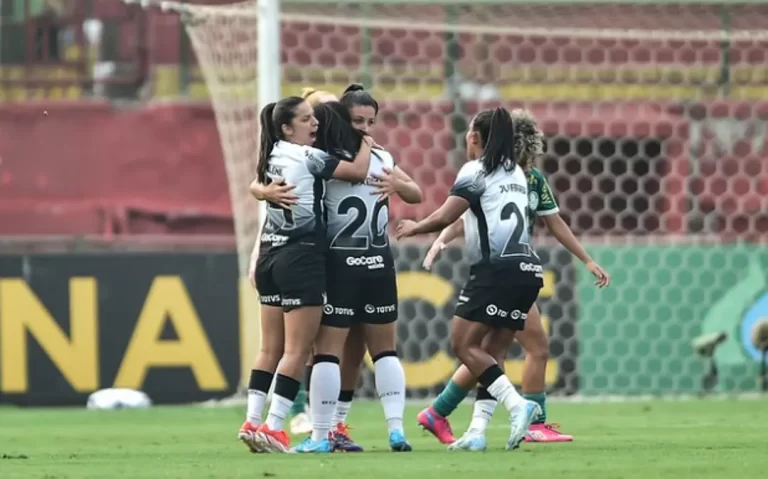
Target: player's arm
(449, 212)
(356, 170)
(252, 264)
(467, 190)
(395, 181)
(277, 192)
(548, 210)
(446, 236)
(407, 189)
(451, 233)
(560, 230)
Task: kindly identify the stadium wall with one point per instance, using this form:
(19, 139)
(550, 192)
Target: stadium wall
(94, 169)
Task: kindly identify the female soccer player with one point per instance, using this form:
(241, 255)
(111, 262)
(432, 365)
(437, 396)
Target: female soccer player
(505, 275)
(364, 266)
(290, 272)
(528, 147)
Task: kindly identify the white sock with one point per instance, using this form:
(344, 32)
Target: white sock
(341, 412)
(505, 393)
(278, 411)
(256, 400)
(325, 385)
(482, 412)
(390, 384)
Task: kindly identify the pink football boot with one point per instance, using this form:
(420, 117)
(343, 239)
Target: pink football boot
(436, 424)
(546, 433)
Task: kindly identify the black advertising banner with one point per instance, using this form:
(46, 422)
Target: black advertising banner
(167, 324)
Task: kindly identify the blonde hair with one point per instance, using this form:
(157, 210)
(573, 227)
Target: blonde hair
(529, 140)
(314, 96)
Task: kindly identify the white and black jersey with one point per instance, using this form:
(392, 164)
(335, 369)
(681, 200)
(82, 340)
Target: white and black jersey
(496, 224)
(357, 223)
(307, 168)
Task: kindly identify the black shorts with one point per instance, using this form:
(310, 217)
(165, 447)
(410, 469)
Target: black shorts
(291, 277)
(358, 299)
(490, 298)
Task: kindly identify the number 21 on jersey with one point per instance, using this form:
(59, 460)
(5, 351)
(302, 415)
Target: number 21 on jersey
(516, 245)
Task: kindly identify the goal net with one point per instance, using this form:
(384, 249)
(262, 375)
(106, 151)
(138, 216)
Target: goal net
(655, 119)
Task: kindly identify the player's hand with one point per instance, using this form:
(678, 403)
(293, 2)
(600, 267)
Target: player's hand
(279, 193)
(434, 250)
(603, 278)
(405, 229)
(386, 184)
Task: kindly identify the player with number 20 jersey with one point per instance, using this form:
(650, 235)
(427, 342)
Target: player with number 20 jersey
(359, 257)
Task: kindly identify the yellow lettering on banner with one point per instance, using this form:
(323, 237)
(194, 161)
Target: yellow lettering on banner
(436, 291)
(168, 299)
(514, 370)
(21, 312)
(548, 290)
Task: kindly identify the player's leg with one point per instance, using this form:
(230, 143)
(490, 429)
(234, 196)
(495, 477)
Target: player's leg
(300, 276)
(491, 304)
(270, 352)
(536, 344)
(496, 343)
(380, 336)
(351, 363)
(325, 383)
(434, 419)
(301, 423)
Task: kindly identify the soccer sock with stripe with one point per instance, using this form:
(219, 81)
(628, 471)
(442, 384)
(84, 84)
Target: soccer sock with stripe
(258, 388)
(286, 389)
(482, 411)
(541, 400)
(300, 404)
(343, 406)
(449, 399)
(498, 385)
(324, 394)
(390, 384)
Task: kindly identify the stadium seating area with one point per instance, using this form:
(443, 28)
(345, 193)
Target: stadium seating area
(622, 146)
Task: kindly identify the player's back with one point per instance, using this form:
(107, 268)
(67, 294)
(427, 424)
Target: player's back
(304, 223)
(496, 225)
(357, 222)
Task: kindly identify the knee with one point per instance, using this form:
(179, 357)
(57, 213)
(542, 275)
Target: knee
(460, 347)
(330, 341)
(539, 353)
(271, 353)
(538, 348)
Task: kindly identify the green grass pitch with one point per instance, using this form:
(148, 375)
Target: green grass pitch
(658, 439)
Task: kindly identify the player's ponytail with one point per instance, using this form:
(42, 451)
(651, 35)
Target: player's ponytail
(272, 118)
(268, 139)
(497, 132)
(355, 95)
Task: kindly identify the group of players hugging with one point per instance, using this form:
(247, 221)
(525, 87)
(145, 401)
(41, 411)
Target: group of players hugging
(326, 277)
